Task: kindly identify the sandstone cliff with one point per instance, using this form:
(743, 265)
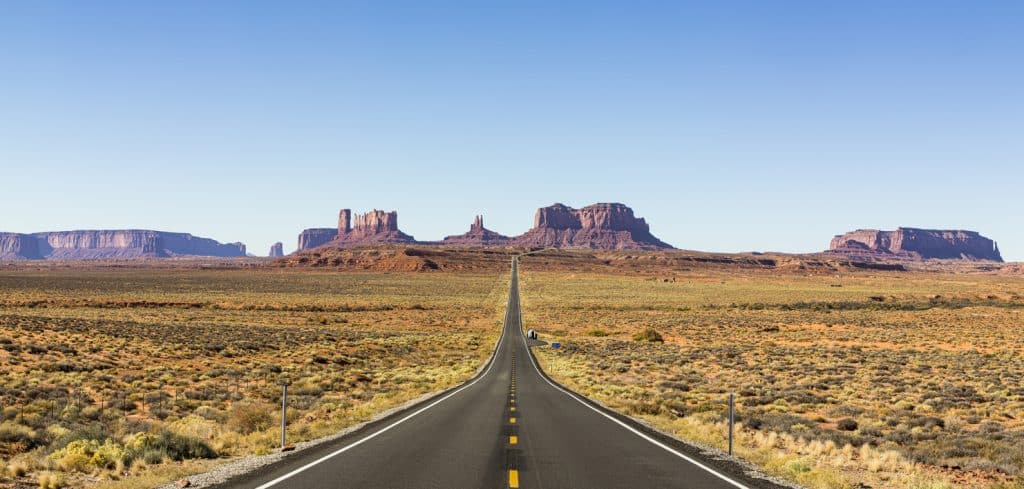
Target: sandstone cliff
(276, 250)
(103, 244)
(478, 235)
(14, 246)
(316, 237)
(374, 227)
(912, 243)
(598, 226)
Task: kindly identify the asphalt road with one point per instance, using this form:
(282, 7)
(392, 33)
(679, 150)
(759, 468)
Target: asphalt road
(509, 427)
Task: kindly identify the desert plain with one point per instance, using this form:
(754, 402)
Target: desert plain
(133, 373)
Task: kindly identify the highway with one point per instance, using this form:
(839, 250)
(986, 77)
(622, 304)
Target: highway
(508, 427)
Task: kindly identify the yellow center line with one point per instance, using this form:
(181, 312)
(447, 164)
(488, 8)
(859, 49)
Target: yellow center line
(513, 439)
(512, 420)
(513, 478)
(513, 409)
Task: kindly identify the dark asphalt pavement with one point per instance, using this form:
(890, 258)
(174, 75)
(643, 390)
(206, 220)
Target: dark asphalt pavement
(508, 427)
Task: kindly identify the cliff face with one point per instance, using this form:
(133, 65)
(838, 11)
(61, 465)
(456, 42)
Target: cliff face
(315, 237)
(598, 226)
(912, 243)
(478, 235)
(102, 244)
(374, 227)
(276, 250)
(14, 246)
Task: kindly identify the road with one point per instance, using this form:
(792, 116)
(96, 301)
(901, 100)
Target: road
(509, 427)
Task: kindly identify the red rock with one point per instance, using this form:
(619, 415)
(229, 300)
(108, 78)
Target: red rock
(916, 244)
(103, 244)
(374, 227)
(316, 237)
(478, 235)
(276, 250)
(598, 226)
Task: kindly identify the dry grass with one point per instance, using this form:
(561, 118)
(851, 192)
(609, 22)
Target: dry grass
(900, 380)
(121, 377)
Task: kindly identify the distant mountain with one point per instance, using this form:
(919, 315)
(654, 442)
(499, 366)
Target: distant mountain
(276, 250)
(478, 235)
(916, 244)
(105, 244)
(598, 226)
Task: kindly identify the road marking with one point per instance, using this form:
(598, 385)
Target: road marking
(371, 436)
(512, 420)
(513, 478)
(620, 422)
(513, 408)
(513, 439)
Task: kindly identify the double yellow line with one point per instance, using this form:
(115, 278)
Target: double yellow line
(513, 474)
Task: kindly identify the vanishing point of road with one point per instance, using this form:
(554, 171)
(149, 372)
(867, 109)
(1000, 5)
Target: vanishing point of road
(509, 427)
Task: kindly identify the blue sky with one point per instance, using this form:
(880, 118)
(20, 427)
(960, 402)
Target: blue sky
(730, 126)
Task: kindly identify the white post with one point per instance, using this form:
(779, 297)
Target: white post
(732, 418)
(284, 412)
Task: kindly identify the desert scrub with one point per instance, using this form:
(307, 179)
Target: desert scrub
(649, 335)
(89, 455)
(174, 364)
(924, 369)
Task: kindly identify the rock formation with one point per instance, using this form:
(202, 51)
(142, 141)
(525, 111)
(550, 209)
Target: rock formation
(598, 226)
(374, 227)
(912, 243)
(316, 237)
(101, 244)
(14, 246)
(276, 250)
(478, 235)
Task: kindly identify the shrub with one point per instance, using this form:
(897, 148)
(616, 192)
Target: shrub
(249, 418)
(16, 433)
(17, 468)
(597, 333)
(51, 480)
(847, 424)
(63, 437)
(649, 335)
(154, 448)
(212, 414)
(87, 455)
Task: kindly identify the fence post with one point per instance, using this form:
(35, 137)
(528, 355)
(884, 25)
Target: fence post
(732, 419)
(284, 412)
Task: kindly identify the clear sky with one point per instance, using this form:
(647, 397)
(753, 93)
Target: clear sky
(730, 126)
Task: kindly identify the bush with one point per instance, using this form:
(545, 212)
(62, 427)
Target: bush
(16, 433)
(154, 448)
(649, 335)
(17, 469)
(63, 437)
(87, 455)
(847, 424)
(51, 480)
(597, 333)
(249, 418)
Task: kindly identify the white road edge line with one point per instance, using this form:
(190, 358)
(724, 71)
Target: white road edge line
(367, 438)
(619, 422)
